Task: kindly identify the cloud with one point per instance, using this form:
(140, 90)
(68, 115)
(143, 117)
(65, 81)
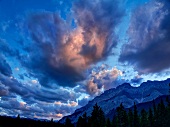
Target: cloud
(73, 104)
(65, 53)
(92, 88)
(83, 101)
(59, 115)
(148, 48)
(6, 50)
(57, 54)
(102, 78)
(5, 67)
(17, 69)
(34, 81)
(137, 80)
(3, 90)
(28, 100)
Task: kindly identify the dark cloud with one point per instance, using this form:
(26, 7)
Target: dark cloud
(32, 93)
(30, 100)
(3, 90)
(102, 78)
(98, 20)
(47, 30)
(65, 53)
(5, 67)
(136, 81)
(21, 76)
(148, 49)
(14, 85)
(6, 50)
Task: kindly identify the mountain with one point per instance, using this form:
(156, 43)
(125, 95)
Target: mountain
(140, 106)
(125, 94)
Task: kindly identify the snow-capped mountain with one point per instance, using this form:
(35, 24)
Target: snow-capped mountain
(125, 94)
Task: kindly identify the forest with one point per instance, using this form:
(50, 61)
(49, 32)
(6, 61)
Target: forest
(156, 116)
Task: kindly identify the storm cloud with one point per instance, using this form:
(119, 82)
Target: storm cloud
(63, 51)
(148, 49)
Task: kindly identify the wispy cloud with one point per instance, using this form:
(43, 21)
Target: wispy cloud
(149, 30)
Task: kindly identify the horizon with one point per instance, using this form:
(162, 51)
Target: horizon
(57, 55)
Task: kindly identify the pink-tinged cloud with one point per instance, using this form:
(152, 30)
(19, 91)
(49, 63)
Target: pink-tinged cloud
(149, 41)
(66, 52)
(103, 79)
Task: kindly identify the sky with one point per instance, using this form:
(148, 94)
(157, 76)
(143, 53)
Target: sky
(56, 55)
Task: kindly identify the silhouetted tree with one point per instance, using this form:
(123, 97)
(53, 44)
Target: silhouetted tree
(135, 116)
(18, 117)
(68, 123)
(97, 118)
(130, 118)
(108, 123)
(169, 88)
(121, 116)
(80, 122)
(85, 120)
(168, 110)
(150, 118)
(114, 121)
(155, 113)
(159, 116)
(144, 120)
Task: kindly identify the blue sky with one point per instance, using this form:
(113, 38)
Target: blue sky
(57, 55)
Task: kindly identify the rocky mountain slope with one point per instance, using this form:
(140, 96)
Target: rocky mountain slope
(125, 94)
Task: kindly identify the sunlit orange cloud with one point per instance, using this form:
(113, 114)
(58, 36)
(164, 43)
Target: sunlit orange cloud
(72, 46)
(59, 115)
(58, 103)
(69, 52)
(72, 104)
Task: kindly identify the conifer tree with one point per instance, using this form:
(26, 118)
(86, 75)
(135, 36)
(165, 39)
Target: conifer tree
(18, 117)
(97, 118)
(130, 118)
(162, 114)
(150, 118)
(101, 118)
(85, 120)
(168, 110)
(108, 123)
(80, 122)
(122, 116)
(135, 116)
(114, 121)
(143, 120)
(68, 123)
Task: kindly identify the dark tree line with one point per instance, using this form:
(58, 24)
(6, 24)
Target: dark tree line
(156, 116)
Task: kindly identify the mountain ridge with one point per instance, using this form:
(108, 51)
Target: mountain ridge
(125, 93)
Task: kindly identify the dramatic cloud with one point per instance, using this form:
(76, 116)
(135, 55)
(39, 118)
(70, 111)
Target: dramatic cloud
(29, 100)
(148, 49)
(51, 53)
(102, 79)
(63, 51)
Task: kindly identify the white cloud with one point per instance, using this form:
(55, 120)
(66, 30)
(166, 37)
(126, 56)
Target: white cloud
(34, 81)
